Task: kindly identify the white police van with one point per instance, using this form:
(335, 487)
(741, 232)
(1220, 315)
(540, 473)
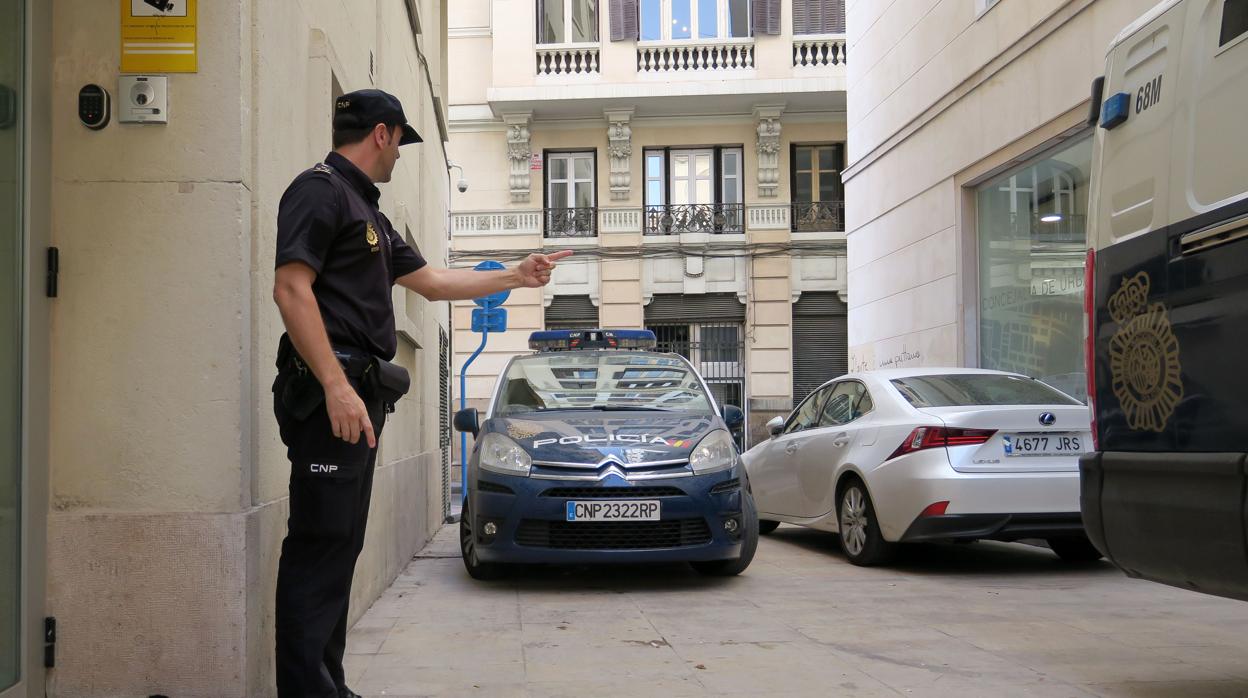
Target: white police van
(1163, 495)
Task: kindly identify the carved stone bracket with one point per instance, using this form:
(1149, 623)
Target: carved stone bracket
(767, 119)
(518, 148)
(620, 150)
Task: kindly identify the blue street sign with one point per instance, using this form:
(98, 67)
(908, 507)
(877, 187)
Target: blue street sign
(493, 300)
(489, 319)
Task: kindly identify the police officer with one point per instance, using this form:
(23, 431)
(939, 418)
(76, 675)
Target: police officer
(337, 259)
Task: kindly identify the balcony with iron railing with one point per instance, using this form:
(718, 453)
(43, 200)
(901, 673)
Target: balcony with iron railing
(817, 216)
(569, 224)
(710, 219)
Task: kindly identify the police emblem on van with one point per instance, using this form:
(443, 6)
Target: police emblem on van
(1145, 372)
(370, 236)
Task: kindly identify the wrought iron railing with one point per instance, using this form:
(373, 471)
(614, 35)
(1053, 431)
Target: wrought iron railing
(571, 222)
(695, 218)
(818, 216)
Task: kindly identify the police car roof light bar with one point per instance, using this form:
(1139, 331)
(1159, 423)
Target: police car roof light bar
(570, 340)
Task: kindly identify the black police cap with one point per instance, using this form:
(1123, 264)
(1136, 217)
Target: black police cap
(367, 108)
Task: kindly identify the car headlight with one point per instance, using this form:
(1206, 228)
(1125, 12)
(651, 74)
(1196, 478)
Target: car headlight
(716, 452)
(500, 454)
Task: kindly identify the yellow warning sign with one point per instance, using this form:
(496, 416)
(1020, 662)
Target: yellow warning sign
(158, 36)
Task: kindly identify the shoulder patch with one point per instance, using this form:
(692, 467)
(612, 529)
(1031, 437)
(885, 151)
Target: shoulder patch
(322, 167)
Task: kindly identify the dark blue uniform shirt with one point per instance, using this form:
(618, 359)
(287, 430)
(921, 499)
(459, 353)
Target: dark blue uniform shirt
(328, 219)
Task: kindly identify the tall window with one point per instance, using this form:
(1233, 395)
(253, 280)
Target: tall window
(818, 16)
(694, 190)
(694, 19)
(567, 21)
(570, 195)
(1032, 241)
(818, 196)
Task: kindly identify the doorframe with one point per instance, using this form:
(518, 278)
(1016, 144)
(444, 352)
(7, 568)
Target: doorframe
(35, 346)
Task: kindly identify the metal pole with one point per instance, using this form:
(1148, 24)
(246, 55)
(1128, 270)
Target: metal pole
(463, 403)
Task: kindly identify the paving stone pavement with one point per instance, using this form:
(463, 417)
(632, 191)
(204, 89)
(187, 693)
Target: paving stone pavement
(987, 619)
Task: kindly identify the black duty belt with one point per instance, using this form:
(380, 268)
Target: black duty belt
(354, 365)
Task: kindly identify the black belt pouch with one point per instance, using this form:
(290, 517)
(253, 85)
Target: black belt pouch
(391, 381)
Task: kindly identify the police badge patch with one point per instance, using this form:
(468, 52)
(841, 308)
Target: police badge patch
(1144, 363)
(370, 236)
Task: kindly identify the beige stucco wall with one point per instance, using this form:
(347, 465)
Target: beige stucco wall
(168, 479)
(937, 98)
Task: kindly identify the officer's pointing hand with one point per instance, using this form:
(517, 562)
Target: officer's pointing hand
(348, 415)
(535, 270)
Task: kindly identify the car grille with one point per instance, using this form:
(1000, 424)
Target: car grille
(726, 486)
(612, 535)
(612, 492)
(484, 486)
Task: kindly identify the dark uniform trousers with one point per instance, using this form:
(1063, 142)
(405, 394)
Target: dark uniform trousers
(331, 483)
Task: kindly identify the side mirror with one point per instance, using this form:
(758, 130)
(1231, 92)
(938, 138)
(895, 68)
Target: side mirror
(468, 420)
(734, 418)
(775, 426)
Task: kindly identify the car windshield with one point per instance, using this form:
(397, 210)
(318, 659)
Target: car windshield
(959, 390)
(602, 380)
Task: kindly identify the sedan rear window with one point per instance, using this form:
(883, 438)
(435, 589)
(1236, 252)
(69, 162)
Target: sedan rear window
(959, 390)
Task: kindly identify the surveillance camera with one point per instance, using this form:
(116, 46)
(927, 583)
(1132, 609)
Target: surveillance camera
(462, 186)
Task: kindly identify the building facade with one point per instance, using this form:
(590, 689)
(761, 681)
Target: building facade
(688, 151)
(969, 158)
(143, 486)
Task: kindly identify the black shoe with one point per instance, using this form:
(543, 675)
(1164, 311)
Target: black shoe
(345, 692)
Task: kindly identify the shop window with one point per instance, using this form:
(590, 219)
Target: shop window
(1032, 225)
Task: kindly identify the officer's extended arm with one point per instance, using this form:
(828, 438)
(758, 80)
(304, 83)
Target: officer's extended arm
(463, 284)
(292, 291)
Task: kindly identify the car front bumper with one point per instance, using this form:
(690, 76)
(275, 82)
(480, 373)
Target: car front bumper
(530, 517)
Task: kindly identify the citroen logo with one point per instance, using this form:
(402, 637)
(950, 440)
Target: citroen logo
(1048, 419)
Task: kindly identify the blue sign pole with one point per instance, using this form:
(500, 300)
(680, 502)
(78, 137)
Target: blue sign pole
(488, 316)
(463, 403)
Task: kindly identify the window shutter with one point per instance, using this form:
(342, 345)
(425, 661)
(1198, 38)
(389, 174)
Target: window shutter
(765, 16)
(818, 16)
(624, 20)
(571, 313)
(820, 341)
(801, 16)
(834, 16)
(705, 307)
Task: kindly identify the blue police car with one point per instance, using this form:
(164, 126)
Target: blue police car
(598, 449)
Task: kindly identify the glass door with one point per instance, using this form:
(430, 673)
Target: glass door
(570, 208)
(12, 51)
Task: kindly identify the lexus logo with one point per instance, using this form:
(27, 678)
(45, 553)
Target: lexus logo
(1048, 419)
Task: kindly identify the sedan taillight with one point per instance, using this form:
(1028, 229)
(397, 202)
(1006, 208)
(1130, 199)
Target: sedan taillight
(923, 438)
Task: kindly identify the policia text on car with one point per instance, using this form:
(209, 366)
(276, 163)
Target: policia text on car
(337, 259)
